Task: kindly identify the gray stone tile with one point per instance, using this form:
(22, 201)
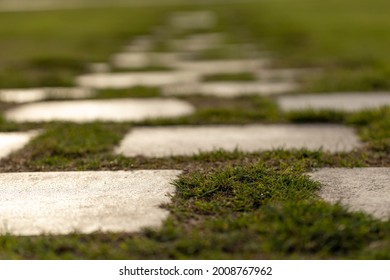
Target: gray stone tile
(144, 59)
(132, 79)
(197, 43)
(115, 110)
(13, 141)
(208, 67)
(348, 102)
(359, 189)
(37, 94)
(230, 88)
(285, 74)
(84, 202)
(193, 20)
(189, 140)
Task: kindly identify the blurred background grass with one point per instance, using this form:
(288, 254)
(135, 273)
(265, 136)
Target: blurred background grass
(349, 39)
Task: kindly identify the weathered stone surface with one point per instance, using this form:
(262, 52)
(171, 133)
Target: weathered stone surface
(230, 88)
(193, 20)
(144, 59)
(132, 79)
(37, 94)
(359, 189)
(208, 67)
(189, 140)
(197, 43)
(347, 102)
(13, 141)
(116, 110)
(285, 74)
(84, 202)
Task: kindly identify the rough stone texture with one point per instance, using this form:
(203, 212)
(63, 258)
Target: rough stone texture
(188, 140)
(230, 88)
(285, 74)
(140, 44)
(193, 20)
(144, 59)
(13, 141)
(197, 43)
(37, 94)
(116, 110)
(208, 67)
(132, 79)
(359, 189)
(347, 102)
(85, 202)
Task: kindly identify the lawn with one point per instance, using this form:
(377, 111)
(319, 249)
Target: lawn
(228, 205)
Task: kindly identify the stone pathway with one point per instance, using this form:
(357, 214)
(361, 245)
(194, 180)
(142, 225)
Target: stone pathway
(187, 140)
(13, 141)
(115, 110)
(38, 94)
(126, 201)
(83, 202)
(359, 189)
(348, 102)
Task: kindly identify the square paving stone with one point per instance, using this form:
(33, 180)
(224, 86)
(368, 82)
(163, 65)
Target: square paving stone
(193, 20)
(207, 67)
(197, 43)
(230, 88)
(133, 79)
(38, 94)
(83, 202)
(143, 59)
(13, 141)
(190, 140)
(359, 189)
(348, 102)
(115, 110)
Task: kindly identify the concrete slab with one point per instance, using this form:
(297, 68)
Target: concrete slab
(140, 44)
(230, 88)
(38, 94)
(188, 140)
(132, 79)
(113, 110)
(192, 20)
(348, 102)
(197, 42)
(84, 202)
(13, 141)
(285, 74)
(144, 59)
(208, 67)
(359, 189)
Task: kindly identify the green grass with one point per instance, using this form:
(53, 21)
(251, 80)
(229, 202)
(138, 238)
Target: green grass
(243, 77)
(347, 38)
(49, 48)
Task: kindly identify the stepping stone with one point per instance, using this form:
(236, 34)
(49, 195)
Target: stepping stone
(197, 43)
(99, 67)
(132, 79)
(112, 110)
(144, 59)
(208, 67)
(13, 141)
(188, 140)
(348, 102)
(284, 74)
(193, 20)
(230, 89)
(140, 44)
(83, 202)
(359, 189)
(37, 94)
